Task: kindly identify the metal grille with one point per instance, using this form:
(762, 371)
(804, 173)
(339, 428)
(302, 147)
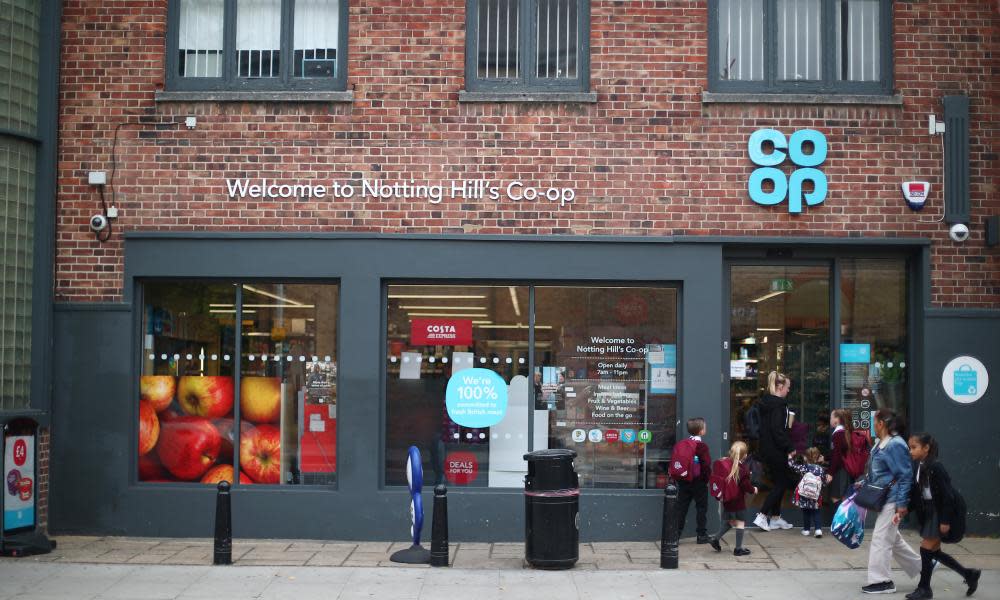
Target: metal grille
(499, 39)
(557, 35)
(799, 40)
(19, 30)
(316, 38)
(741, 40)
(17, 191)
(859, 48)
(258, 38)
(200, 38)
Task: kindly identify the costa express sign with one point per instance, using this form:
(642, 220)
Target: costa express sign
(792, 186)
(441, 332)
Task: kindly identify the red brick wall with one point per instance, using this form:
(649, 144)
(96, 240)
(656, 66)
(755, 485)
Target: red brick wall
(648, 159)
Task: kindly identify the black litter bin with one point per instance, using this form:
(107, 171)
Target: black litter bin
(551, 510)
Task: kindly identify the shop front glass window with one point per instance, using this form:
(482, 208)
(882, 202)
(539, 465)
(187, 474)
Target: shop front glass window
(606, 381)
(186, 388)
(614, 403)
(437, 333)
(286, 399)
(873, 360)
(780, 321)
(288, 384)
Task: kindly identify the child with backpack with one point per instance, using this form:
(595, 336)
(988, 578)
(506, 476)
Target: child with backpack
(730, 482)
(809, 491)
(850, 452)
(689, 468)
(940, 511)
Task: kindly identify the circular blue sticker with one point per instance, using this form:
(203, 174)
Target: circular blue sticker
(476, 398)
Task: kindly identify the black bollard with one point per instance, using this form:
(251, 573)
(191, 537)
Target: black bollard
(223, 527)
(439, 528)
(669, 535)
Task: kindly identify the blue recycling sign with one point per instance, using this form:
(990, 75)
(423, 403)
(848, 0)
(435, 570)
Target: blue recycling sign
(965, 379)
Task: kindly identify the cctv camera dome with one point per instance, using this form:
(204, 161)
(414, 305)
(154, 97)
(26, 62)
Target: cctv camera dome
(959, 232)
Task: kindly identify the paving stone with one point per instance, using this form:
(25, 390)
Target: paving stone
(327, 559)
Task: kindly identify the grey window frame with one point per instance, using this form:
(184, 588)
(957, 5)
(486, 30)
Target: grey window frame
(829, 84)
(527, 82)
(229, 80)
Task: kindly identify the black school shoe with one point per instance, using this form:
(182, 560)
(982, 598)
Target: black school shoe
(920, 594)
(884, 587)
(972, 581)
(704, 539)
(741, 552)
(715, 545)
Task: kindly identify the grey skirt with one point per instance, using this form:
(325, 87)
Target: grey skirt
(930, 526)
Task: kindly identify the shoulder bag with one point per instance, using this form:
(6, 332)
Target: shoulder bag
(869, 495)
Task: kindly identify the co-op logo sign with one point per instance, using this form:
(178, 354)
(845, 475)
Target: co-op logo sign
(794, 185)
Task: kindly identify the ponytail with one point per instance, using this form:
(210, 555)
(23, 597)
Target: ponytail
(737, 452)
(774, 379)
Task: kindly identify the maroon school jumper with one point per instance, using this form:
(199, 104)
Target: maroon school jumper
(739, 504)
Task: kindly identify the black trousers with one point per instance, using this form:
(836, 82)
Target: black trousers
(687, 491)
(782, 480)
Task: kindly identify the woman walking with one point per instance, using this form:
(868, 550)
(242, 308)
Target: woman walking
(933, 500)
(775, 448)
(889, 468)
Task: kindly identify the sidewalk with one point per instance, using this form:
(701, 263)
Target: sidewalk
(770, 550)
(59, 581)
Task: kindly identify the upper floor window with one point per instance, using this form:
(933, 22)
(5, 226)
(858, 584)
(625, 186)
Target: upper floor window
(257, 44)
(528, 45)
(800, 46)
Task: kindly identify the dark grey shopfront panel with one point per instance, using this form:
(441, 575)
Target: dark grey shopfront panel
(966, 432)
(94, 487)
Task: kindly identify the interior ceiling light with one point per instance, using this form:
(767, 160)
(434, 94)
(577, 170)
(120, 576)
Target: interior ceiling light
(443, 307)
(768, 329)
(229, 311)
(513, 300)
(433, 297)
(457, 316)
(270, 295)
(518, 326)
(768, 295)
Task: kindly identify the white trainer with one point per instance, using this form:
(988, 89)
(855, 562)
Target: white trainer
(761, 521)
(779, 523)
(819, 533)
(806, 532)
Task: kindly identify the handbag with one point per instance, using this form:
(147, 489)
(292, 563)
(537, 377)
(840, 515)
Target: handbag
(869, 495)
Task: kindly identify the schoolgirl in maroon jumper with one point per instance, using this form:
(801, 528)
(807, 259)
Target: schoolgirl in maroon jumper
(733, 511)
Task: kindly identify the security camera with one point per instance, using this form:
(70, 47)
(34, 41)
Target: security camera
(959, 232)
(98, 223)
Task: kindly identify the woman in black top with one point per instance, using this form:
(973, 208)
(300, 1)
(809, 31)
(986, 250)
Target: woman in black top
(775, 447)
(932, 499)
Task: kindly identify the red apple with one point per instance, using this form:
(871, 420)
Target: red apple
(158, 390)
(149, 427)
(150, 469)
(260, 454)
(260, 399)
(223, 473)
(169, 415)
(225, 427)
(188, 447)
(208, 396)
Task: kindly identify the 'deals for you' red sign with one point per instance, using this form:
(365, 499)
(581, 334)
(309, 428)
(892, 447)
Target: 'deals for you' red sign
(441, 332)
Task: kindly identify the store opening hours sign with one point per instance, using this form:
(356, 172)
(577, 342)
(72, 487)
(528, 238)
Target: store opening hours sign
(476, 398)
(441, 332)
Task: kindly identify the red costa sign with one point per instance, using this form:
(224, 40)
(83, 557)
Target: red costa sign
(441, 332)
(461, 468)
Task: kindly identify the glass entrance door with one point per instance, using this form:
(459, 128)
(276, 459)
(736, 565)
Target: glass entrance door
(780, 320)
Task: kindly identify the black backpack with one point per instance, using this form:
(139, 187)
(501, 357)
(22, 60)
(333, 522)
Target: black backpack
(751, 422)
(957, 531)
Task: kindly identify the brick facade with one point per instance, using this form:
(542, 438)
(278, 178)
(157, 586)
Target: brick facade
(648, 159)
